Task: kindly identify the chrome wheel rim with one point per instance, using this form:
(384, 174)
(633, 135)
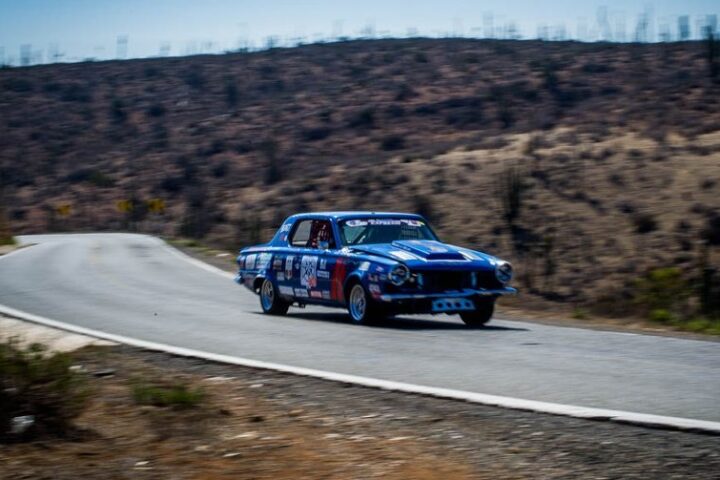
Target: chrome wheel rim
(267, 295)
(358, 303)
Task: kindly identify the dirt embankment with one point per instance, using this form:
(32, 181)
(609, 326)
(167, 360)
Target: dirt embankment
(262, 424)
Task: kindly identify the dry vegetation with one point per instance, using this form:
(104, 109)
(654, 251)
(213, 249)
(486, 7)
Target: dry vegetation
(267, 425)
(588, 165)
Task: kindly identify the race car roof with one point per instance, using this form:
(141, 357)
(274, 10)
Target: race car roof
(352, 214)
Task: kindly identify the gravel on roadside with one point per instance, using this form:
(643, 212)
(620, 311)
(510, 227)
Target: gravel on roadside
(264, 424)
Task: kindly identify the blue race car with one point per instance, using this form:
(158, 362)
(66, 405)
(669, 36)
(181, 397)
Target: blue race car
(375, 265)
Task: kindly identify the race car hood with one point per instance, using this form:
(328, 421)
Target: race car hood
(429, 254)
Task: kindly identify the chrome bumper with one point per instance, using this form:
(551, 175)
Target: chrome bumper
(468, 292)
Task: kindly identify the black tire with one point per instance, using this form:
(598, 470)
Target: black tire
(482, 314)
(370, 312)
(270, 301)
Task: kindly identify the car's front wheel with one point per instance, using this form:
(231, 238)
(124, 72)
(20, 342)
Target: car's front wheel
(270, 301)
(362, 309)
(482, 314)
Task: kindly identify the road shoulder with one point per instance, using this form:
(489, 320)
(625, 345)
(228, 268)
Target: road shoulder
(270, 424)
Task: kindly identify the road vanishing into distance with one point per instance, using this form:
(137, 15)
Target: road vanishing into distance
(136, 286)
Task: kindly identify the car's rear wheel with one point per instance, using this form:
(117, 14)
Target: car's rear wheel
(270, 301)
(482, 314)
(362, 308)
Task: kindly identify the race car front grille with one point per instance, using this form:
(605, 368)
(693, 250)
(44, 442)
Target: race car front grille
(487, 279)
(443, 281)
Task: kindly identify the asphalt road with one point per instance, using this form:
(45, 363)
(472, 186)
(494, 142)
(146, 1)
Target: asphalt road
(132, 285)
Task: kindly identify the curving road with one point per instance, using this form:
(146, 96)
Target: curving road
(136, 286)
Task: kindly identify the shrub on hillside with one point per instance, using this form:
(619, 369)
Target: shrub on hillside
(423, 206)
(197, 220)
(644, 223)
(662, 289)
(155, 110)
(405, 92)
(231, 93)
(194, 77)
(76, 92)
(18, 85)
(711, 232)
(248, 229)
(221, 169)
(315, 133)
(597, 68)
(172, 184)
(392, 142)
(117, 111)
(509, 189)
(39, 385)
(95, 177)
(6, 237)
(364, 118)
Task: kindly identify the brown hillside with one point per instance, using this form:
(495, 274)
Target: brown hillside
(616, 148)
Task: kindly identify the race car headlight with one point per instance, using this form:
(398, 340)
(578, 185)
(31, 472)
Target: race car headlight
(399, 274)
(504, 272)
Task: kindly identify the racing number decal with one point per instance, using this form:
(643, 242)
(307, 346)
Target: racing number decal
(308, 271)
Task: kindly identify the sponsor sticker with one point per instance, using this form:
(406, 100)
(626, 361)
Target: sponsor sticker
(308, 271)
(285, 227)
(374, 288)
(301, 293)
(250, 262)
(289, 267)
(322, 264)
(315, 293)
(364, 266)
(402, 255)
(280, 276)
(384, 221)
(277, 263)
(263, 260)
(326, 294)
(284, 290)
(323, 274)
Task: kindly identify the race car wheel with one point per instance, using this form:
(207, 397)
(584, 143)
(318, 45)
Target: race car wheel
(481, 315)
(362, 309)
(270, 301)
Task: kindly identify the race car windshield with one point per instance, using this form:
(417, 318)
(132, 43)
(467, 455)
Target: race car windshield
(383, 230)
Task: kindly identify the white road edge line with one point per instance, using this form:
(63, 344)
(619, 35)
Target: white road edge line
(23, 248)
(642, 419)
(619, 416)
(198, 263)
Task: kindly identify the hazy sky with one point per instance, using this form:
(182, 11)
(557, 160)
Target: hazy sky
(90, 28)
